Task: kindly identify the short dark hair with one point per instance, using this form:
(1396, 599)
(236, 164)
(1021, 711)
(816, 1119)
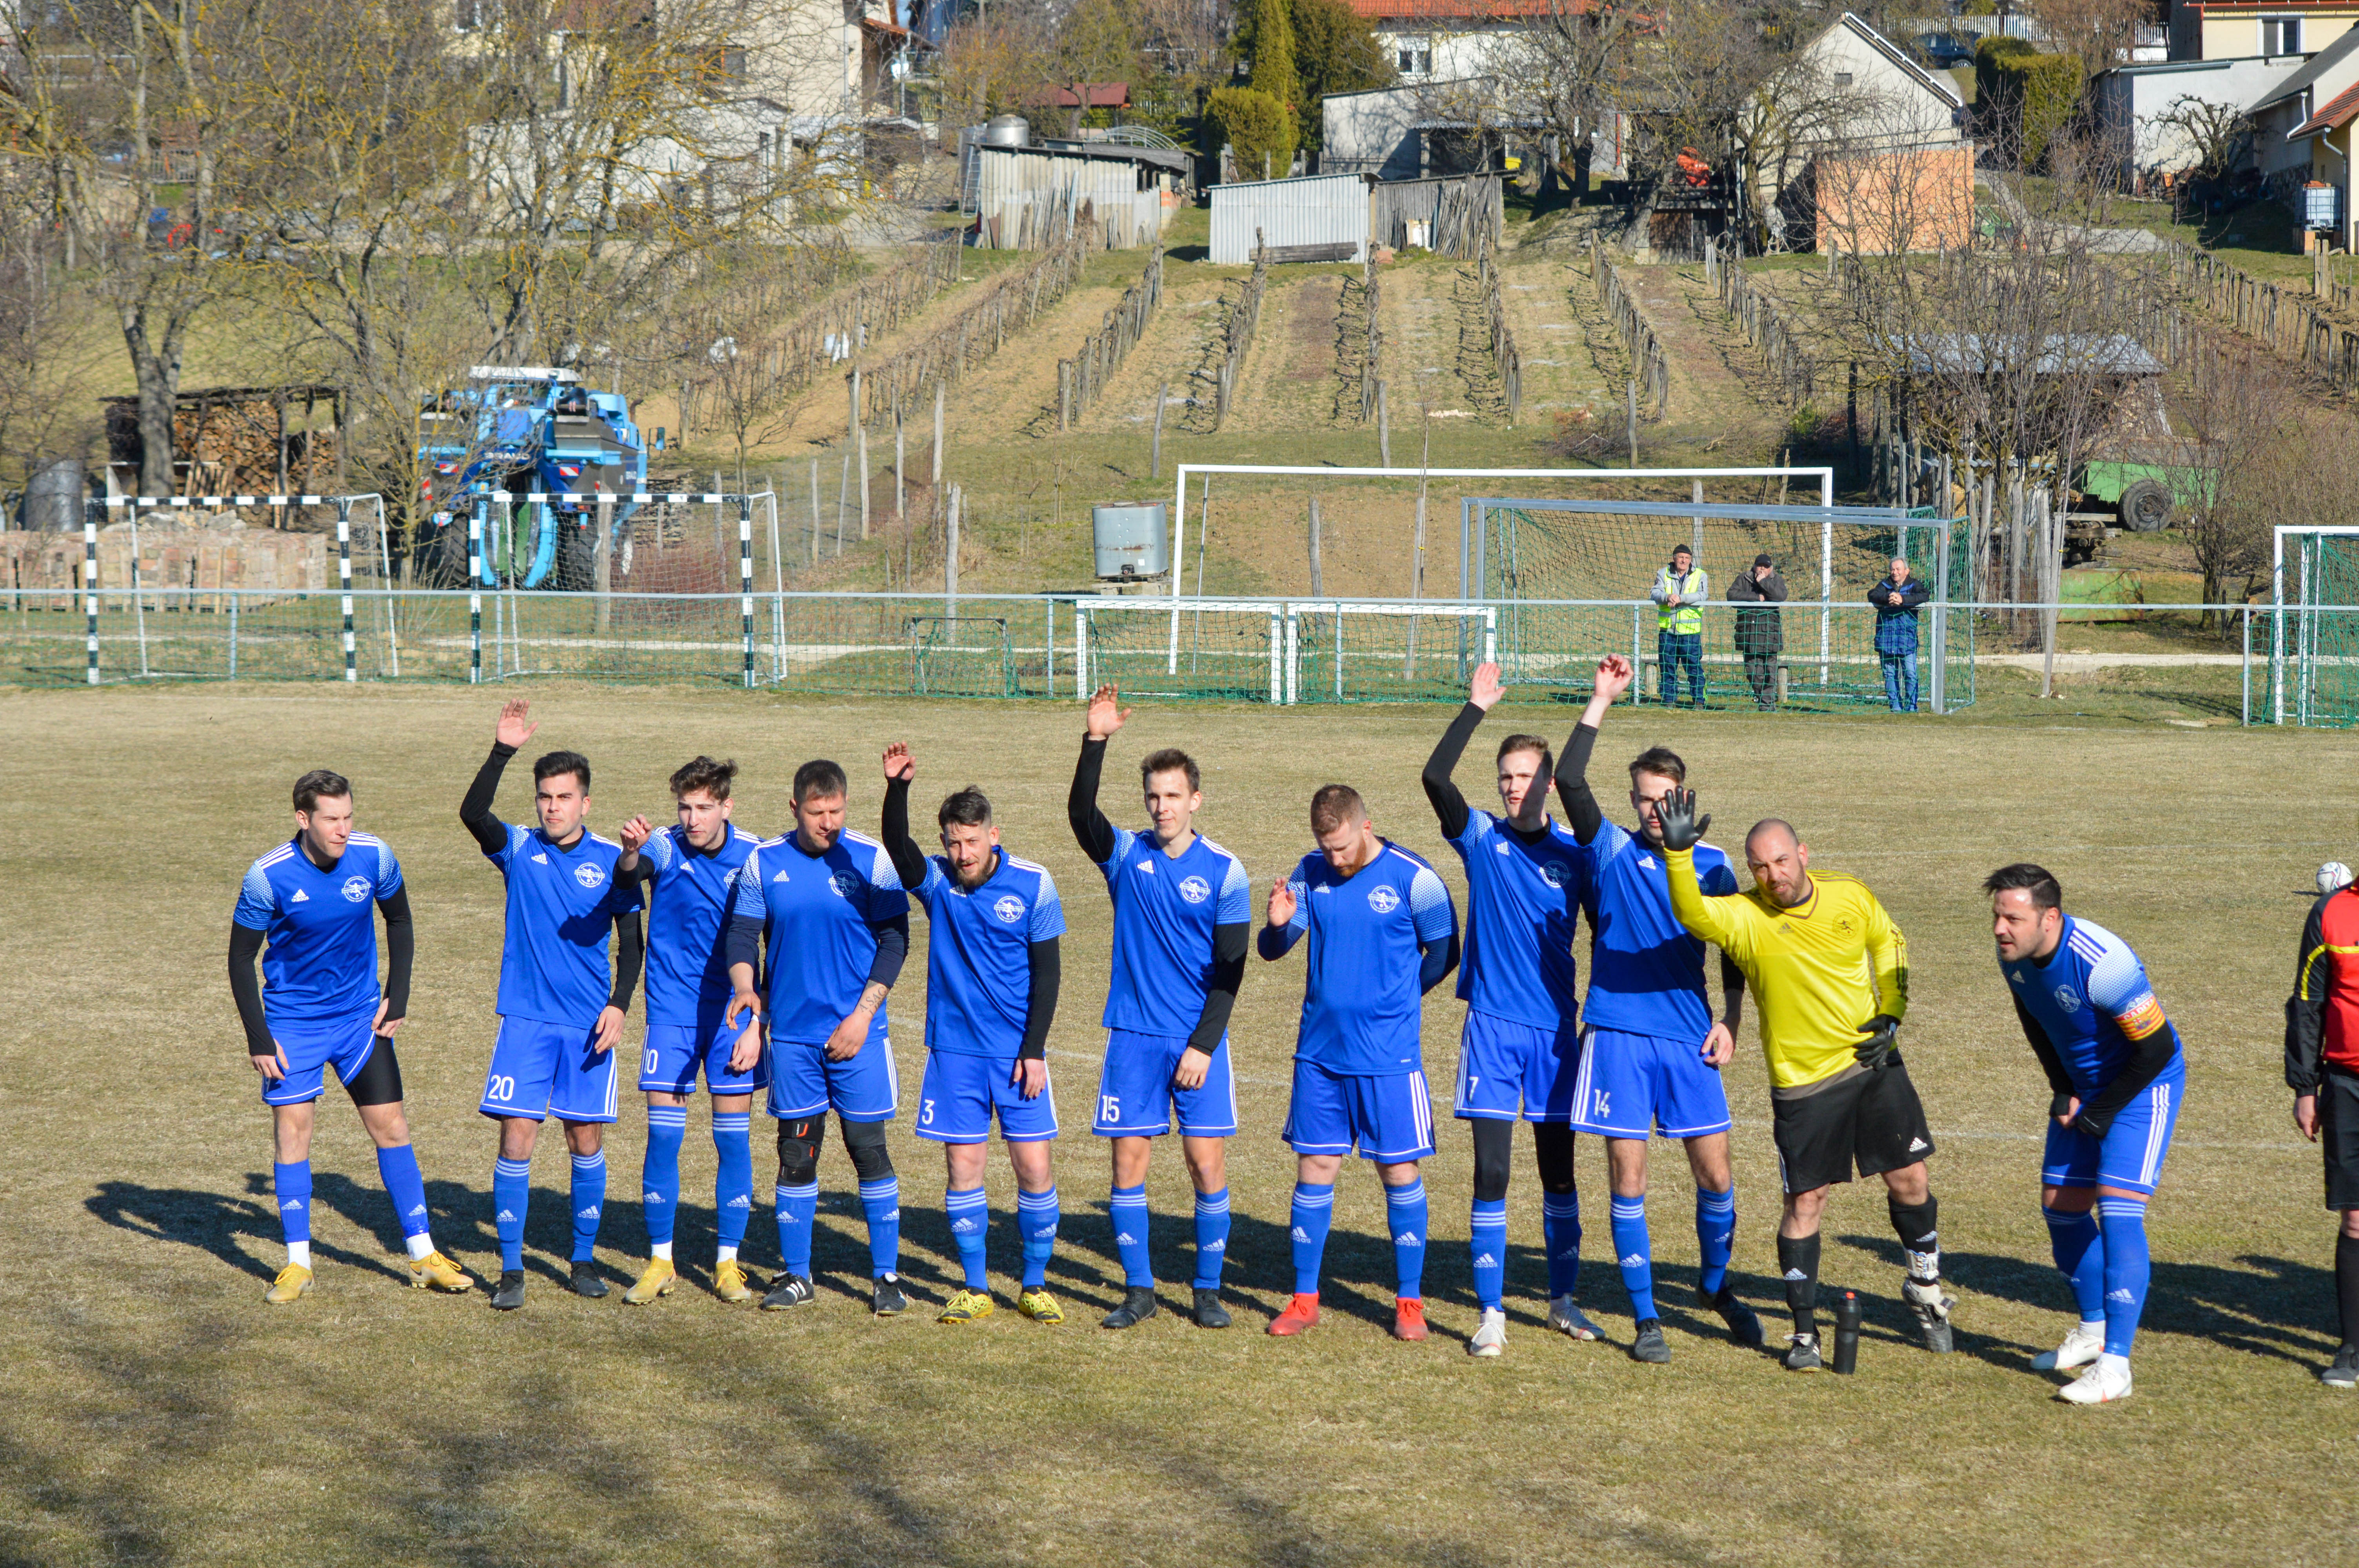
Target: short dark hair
(2046, 892)
(1660, 761)
(1514, 743)
(1334, 805)
(1170, 760)
(555, 762)
(968, 807)
(820, 778)
(319, 782)
(704, 773)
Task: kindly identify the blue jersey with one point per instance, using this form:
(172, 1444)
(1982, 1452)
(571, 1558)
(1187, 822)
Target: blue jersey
(1361, 1001)
(2093, 1000)
(822, 913)
(1524, 898)
(562, 905)
(321, 965)
(1164, 912)
(688, 974)
(979, 958)
(1646, 972)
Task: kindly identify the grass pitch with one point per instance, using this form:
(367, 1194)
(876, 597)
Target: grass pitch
(157, 1411)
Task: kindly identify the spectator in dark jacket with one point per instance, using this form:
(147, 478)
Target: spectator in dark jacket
(1760, 633)
(1896, 600)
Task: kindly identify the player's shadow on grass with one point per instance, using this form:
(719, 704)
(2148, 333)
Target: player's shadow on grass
(219, 1223)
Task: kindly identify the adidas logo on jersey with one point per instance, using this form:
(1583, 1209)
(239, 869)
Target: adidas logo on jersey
(540, 859)
(1300, 1234)
(1796, 1274)
(781, 877)
(300, 897)
(1636, 1260)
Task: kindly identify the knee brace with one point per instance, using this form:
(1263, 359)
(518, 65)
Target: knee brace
(1494, 1144)
(865, 1141)
(799, 1150)
(1552, 1147)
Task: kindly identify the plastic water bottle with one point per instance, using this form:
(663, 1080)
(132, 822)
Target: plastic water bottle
(1848, 1312)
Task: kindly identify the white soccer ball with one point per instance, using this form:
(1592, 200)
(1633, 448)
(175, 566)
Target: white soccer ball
(2333, 875)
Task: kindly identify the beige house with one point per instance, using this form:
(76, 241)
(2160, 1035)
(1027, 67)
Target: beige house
(2239, 29)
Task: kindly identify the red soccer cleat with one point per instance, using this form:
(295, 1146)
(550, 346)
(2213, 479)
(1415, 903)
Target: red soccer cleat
(1299, 1314)
(1408, 1318)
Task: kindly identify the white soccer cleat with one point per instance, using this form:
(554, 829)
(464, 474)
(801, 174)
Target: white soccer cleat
(1491, 1338)
(2080, 1346)
(1570, 1320)
(2102, 1384)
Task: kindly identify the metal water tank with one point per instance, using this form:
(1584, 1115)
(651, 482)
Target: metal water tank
(1133, 540)
(1008, 131)
(53, 496)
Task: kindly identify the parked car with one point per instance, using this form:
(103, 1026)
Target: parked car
(1944, 49)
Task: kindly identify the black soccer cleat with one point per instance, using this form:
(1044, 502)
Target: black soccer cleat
(585, 1280)
(1137, 1306)
(889, 1300)
(1743, 1326)
(508, 1294)
(1210, 1313)
(788, 1291)
(1650, 1346)
(2344, 1372)
(1802, 1354)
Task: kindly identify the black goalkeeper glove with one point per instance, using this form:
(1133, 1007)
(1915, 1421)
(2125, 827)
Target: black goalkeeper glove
(1677, 813)
(2061, 1106)
(1883, 1033)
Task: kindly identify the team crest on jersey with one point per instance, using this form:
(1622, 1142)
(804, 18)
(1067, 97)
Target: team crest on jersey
(845, 884)
(1382, 900)
(1555, 874)
(1195, 889)
(356, 889)
(588, 875)
(1010, 909)
(2068, 998)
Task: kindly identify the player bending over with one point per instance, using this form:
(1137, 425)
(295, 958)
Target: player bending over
(1652, 1052)
(1820, 955)
(838, 929)
(560, 1000)
(2113, 1062)
(2322, 1068)
(991, 971)
(1382, 935)
(311, 899)
(1182, 915)
(1521, 1043)
(688, 867)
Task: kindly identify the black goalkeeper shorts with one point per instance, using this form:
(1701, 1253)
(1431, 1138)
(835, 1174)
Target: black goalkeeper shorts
(2338, 1134)
(1872, 1120)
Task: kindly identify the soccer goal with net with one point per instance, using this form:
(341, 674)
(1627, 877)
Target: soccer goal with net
(2314, 626)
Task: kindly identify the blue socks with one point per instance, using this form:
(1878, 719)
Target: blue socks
(2074, 1239)
(1715, 1236)
(1127, 1207)
(733, 1188)
(1488, 1239)
(970, 1214)
(292, 1184)
(511, 1197)
(659, 1177)
(2127, 1269)
(589, 1201)
(1560, 1232)
(880, 1201)
(798, 1210)
(1314, 1211)
(1636, 1255)
(397, 1169)
(1035, 1218)
(1212, 1237)
(1405, 1209)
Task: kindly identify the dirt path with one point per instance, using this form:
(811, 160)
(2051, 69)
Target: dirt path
(1552, 321)
(1422, 330)
(1173, 352)
(1713, 373)
(1287, 382)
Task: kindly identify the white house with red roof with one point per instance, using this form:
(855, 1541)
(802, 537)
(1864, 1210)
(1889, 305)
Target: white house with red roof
(1445, 40)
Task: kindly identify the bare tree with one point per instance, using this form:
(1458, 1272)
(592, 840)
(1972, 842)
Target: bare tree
(2102, 32)
(1570, 68)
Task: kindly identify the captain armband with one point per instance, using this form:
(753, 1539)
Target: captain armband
(2142, 1018)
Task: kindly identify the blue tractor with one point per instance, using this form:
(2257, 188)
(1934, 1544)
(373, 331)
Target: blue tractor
(515, 431)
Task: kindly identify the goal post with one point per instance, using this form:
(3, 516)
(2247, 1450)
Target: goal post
(2314, 625)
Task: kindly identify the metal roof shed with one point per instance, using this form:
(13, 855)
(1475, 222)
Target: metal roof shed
(1319, 210)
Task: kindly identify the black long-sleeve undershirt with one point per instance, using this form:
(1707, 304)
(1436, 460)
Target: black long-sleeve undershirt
(632, 954)
(1581, 810)
(1230, 944)
(1091, 831)
(475, 809)
(1043, 963)
(908, 860)
(1449, 805)
(2153, 1054)
(246, 982)
(400, 949)
(742, 944)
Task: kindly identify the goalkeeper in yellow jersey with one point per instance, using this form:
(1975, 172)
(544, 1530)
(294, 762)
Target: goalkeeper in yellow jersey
(1830, 974)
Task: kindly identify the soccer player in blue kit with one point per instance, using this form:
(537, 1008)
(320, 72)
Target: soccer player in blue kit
(1652, 1050)
(315, 900)
(2113, 1062)
(992, 966)
(560, 1000)
(1521, 986)
(839, 930)
(1182, 917)
(1382, 935)
(686, 868)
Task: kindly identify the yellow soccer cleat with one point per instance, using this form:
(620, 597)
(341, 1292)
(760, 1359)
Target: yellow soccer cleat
(435, 1272)
(654, 1280)
(968, 1306)
(291, 1283)
(730, 1282)
(1040, 1307)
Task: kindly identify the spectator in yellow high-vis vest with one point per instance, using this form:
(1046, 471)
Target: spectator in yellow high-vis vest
(1680, 592)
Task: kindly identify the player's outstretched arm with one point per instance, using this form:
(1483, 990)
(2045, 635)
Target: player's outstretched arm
(1091, 829)
(475, 810)
(908, 860)
(1448, 805)
(1581, 808)
(1728, 921)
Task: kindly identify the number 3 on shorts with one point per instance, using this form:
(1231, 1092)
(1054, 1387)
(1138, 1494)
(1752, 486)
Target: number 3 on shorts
(926, 1114)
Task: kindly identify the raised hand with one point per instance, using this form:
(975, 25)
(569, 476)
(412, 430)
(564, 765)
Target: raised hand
(1281, 903)
(1487, 689)
(1613, 676)
(516, 726)
(1681, 830)
(899, 766)
(1105, 716)
(636, 834)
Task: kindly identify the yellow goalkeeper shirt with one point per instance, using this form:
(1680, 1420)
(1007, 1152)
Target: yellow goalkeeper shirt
(1818, 970)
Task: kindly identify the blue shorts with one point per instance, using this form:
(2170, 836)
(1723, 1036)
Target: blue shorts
(1631, 1086)
(962, 1091)
(346, 1045)
(1503, 1065)
(804, 1082)
(1386, 1115)
(548, 1069)
(1135, 1097)
(2130, 1154)
(673, 1053)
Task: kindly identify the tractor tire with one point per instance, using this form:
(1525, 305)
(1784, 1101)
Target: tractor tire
(2144, 507)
